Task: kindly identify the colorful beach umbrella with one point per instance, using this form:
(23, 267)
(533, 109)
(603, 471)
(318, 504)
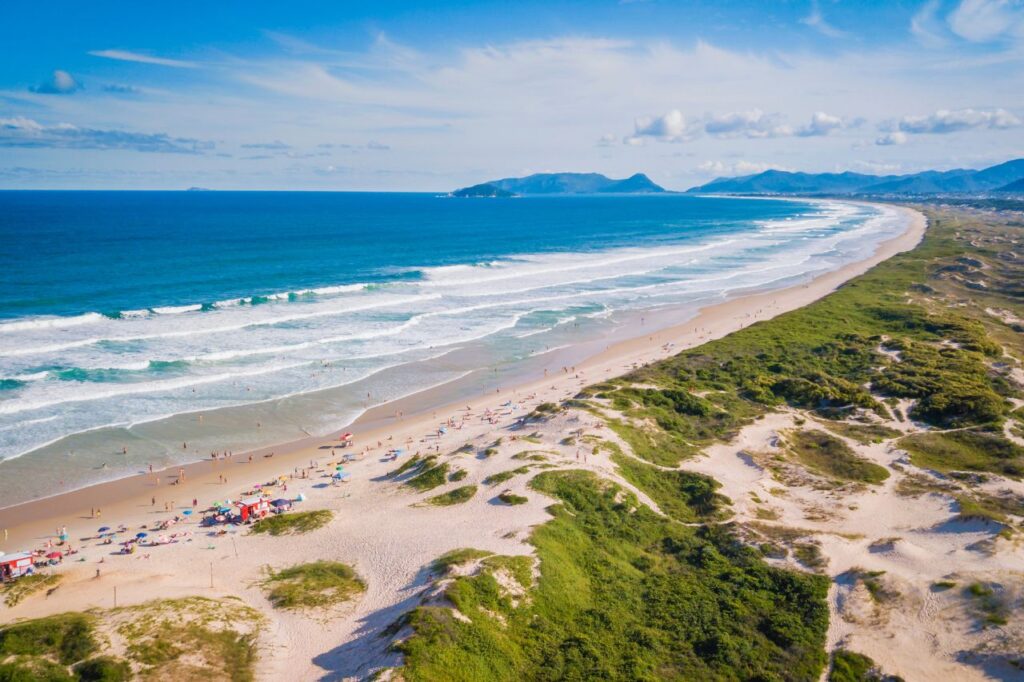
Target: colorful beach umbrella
(141, 535)
(103, 529)
(54, 555)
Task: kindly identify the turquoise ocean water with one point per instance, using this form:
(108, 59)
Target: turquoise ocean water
(123, 314)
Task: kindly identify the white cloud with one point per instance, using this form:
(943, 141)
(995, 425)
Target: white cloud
(891, 139)
(735, 168)
(754, 123)
(817, 21)
(821, 124)
(672, 127)
(126, 56)
(946, 121)
(606, 140)
(985, 20)
(60, 83)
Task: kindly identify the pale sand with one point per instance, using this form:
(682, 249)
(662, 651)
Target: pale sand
(376, 530)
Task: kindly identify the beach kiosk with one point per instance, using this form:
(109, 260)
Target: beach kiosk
(253, 507)
(15, 565)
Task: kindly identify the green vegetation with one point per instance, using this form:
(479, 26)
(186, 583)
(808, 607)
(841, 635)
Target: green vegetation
(943, 585)
(103, 669)
(682, 495)
(966, 451)
(831, 457)
(992, 609)
(456, 496)
(414, 462)
(429, 477)
(624, 594)
(458, 557)
(458, 475)
(495, 479)
(878, 590)
(186, 639)
(512, 499)
(863, 433)
(532, 455)
(848, 666)
(293, 523)
(67, 638)
(313, 585)
(26, 585)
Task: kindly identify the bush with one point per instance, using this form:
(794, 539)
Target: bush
(456, 496)
(293, 523)
(316, 584)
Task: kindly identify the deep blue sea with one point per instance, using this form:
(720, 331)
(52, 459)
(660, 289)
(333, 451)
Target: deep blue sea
(121, 313)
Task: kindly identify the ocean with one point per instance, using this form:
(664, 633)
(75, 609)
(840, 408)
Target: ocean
(125, 316)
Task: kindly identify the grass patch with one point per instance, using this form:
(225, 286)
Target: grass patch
(849, 666)
(501, 477)
(943, 585)
(458, 475)
(624, 593)
(512, 499)
(458, 557)
(979, 451)
(532, 455)
(413, 463)
(102, 669)
(831, 457)
(67, 638)
(17, 590)
(456, 496)
(682, 495)
(991, 608)
(429, 478)
(293, 523)
(863, 433)
(313, 585)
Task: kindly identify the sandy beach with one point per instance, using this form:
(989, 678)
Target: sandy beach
(376, 528)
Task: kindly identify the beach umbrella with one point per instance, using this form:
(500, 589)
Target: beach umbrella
(187, 512)
(339, 468)
(103, 529)
(141, 535)
(301, 497)
(54, 555)
(282, 503)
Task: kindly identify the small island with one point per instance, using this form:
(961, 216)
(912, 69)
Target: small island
(561, 183)
(484, 189)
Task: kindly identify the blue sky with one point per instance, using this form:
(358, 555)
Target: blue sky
(429, 96)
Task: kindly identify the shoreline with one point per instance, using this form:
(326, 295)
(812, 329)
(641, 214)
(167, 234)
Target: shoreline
(122, 498)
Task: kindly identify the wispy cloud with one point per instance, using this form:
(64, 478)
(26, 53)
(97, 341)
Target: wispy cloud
(986, 20)
(126, 56)
(946, 121)
(276, 145)
(27, 132)
(891, 139)
(926, 26)
(59, 83)
(735, 168)
(817, 21)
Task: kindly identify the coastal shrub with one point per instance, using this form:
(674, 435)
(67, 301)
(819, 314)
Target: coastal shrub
(429, 478)
(103, 669)
(625, 594)
(458, 475)
(849, 666)
(832, 457)
(512, 499)
(15, 591)
(30, 669)
(501, 477)
(67, 637)
(981, 451)
(456, 496)
(682, 495)
(864, 433)
(293, 523)
(313, 585)
(457, 557)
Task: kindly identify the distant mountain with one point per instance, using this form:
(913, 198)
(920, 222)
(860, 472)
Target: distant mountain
(482, 190)
(1017, 186)
(959, 181)
(573, 183)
